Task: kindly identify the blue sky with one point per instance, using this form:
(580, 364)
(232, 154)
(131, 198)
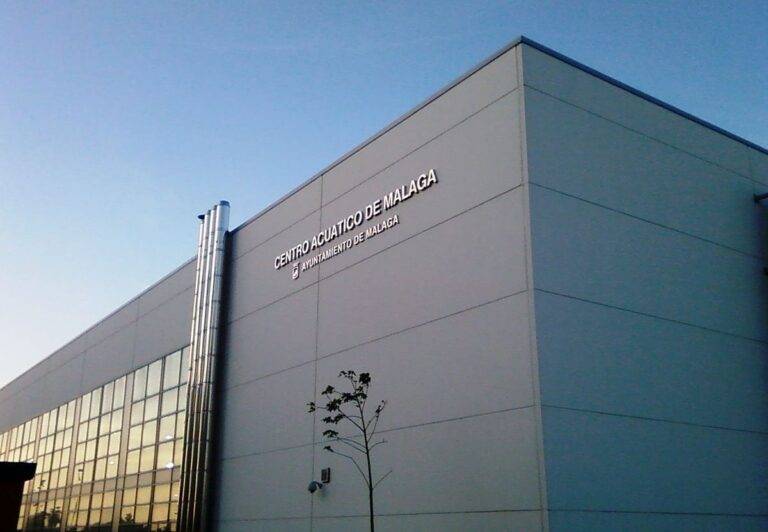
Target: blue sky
(121, 121)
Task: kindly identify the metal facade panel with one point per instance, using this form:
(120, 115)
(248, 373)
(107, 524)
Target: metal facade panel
(601, 462)
(436, 307)
(453, 106)
(611, 360)
(590, 252)
(649, 306)
(424, 371)
(583, 89)
(607, 163)
(469, 260)
(273, 339)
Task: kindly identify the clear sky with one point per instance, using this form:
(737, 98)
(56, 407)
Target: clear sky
(121, 121)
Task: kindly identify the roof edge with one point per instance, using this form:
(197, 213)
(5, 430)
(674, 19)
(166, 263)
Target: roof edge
(296, 189)
(99, 322)
(637, 92)
(522, 39)
(515, 42)
(386, 129)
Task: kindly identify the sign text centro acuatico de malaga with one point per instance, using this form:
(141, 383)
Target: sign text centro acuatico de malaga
(348, 224)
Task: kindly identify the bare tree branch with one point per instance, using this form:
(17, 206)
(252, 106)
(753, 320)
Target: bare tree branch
(382, 478)
(377, 416)
(354, 462)
(375, 444)
(352, 443)
(350, 419)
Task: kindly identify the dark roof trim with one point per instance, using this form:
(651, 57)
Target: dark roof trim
(383, 131)
(641, 94)
(99, 322)
(275, 203)
(391, 125)
(519, 40)
(282, 198)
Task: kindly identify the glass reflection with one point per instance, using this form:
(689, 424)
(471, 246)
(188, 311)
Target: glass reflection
(107, 461)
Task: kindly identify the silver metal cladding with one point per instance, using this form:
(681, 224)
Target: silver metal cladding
(206, 312)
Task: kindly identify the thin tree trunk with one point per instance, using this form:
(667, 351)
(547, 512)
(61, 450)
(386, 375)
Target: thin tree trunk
(370, 486)
(368, 461)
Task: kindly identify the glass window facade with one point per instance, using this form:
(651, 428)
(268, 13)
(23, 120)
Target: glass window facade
(110, 459)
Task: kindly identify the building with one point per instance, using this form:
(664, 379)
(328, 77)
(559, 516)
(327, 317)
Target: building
(566, 312)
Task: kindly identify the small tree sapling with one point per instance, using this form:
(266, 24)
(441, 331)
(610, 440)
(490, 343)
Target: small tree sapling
(348, 408)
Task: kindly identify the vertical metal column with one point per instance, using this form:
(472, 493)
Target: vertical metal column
(195, 474)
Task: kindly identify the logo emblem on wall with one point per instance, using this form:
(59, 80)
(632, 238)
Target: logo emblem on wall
(295, 273)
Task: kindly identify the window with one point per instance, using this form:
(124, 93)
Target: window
(108, 458)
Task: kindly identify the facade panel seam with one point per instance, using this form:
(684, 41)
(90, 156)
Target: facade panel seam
(529, 273)
(393, 245)
(314, 365)
(642, 133)
(378, 172)
(378, 338)
(393, 514)
(650, 512)
(656, 419)
(390, 126)
(318, 443)
(101, 321)
(640, 94)
(747, 200)
(85, 350)
(422, 145)
(649, 315)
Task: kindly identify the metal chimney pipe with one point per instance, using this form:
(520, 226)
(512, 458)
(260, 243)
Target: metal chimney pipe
(206, 313)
